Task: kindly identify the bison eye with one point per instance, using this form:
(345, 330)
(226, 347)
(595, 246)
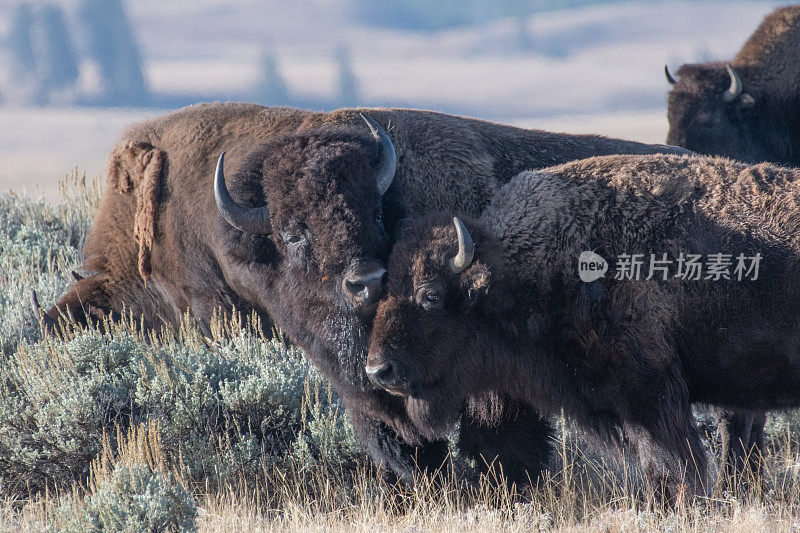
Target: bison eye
(429, 297)
(294, 239)
(431, 300)
(379, 220)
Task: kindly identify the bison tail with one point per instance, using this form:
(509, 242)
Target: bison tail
(140, 167)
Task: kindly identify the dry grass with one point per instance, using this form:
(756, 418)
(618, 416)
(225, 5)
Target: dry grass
(582, 495)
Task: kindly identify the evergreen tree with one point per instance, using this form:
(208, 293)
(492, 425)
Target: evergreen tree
(271, 88)
(58, 63)
(20, 42)
(112, 45)
(348, 84)
(520, 10)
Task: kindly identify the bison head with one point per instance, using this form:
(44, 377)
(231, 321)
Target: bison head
(430, 333)
(711, 113)
(303, 239)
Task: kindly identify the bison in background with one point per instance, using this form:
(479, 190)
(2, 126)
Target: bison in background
(747, 110)
(302, 238)
(495, 306)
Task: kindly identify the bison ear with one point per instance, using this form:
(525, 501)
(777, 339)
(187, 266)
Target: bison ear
(747, 101)
(476, 282)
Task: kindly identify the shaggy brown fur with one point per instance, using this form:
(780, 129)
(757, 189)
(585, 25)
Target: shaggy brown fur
(623, 357)
(317, 177)
(763, 123)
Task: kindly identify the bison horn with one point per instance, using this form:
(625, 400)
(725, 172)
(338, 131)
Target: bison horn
(670, 79)
(249, 219)
(388, 155)
(736, 88)
(46, 322)
(466, 248)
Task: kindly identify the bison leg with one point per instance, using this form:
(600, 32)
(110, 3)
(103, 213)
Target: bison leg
(662, 432)
(518, 445)
(395, 459)
(742, 436)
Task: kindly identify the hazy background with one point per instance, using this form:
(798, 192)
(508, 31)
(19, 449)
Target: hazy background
(73, 73)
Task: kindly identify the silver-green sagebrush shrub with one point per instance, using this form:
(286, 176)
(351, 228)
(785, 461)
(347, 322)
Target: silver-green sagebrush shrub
(130, 489)
(228, 408)
(136, 499)
(237, 406)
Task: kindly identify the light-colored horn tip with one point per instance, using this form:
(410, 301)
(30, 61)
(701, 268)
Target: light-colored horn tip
(373, 126)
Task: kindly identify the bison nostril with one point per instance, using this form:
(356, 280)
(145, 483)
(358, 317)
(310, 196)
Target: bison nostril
(355, 288)
(382, 375)
(365, 288)
(385, 374)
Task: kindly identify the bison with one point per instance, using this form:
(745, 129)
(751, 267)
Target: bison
(300, 235)
(747, 110)
(495, 306)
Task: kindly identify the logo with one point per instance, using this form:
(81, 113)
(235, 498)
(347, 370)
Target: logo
(591, 267)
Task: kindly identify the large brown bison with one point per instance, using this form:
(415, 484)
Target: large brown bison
(303, 235)
(495, 306)
(746, 109)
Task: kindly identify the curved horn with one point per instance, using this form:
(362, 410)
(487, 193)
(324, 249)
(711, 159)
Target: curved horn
(249, 219)
(736, 88)
(388, 155)
(670, 79)
(46, 322)
(466, 248)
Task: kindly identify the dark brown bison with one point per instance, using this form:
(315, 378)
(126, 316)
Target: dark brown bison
(495, 306)
(303, 235)
(747, 109)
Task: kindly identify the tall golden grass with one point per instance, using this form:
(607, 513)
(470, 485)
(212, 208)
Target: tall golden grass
(581, 494)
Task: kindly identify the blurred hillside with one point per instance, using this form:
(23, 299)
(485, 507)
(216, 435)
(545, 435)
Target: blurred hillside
(565, 65)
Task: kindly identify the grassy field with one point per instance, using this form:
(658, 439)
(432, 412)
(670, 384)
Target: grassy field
(176, 431)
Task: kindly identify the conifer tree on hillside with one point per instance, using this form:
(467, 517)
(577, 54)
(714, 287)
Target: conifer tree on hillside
(20, 41)
(348, 84)
(271, 88)
(112, 44)
(57, 61)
